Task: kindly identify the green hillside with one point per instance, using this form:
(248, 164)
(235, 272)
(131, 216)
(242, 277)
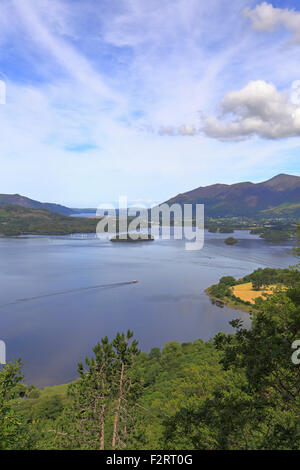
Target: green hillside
(291, 210)
(18, 200)
(17, 220)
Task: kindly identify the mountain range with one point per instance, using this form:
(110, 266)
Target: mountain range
(278, 196)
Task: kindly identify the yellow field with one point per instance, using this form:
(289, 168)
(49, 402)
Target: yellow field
(246, 293)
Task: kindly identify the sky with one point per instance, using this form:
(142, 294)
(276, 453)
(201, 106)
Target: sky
(146, 98)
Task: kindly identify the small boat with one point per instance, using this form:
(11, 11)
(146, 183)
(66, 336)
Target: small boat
(135, 281)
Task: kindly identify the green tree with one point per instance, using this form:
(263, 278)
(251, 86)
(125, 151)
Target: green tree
(127, 389)
(296, 249)
(227, 281)
(103, 398)
(259, 407)
(14, 431)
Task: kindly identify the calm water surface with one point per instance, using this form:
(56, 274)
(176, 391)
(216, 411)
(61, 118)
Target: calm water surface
(51, 333)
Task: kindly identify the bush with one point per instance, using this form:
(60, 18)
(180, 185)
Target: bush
(230, 241)
(227, 281)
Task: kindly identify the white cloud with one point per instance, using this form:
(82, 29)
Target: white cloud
(265, 17)
(81, 73)
(257, 109)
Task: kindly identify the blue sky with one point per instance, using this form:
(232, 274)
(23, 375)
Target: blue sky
(146, 98)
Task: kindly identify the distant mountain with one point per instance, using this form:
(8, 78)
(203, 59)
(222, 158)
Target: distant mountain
(23, 201)
(278, 196)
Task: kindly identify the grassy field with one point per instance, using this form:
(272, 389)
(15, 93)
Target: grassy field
(246, 293)
(243, 294)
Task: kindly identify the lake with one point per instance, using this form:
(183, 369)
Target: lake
(50, 318)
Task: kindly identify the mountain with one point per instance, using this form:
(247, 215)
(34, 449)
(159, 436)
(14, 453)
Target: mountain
(278, 196)
(23, 201)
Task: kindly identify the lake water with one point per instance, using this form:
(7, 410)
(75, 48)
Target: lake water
(51, 333)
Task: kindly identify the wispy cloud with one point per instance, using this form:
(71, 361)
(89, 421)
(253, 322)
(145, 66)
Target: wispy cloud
(114, 93)
(184, 130)
(66, 56)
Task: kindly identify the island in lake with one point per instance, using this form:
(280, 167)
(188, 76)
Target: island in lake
(230, 241)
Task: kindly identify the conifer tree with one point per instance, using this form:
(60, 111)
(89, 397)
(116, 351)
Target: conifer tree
(103, 397)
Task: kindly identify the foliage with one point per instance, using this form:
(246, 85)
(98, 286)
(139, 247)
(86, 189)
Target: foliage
(102, 400)
(269, 276)
(222, 289)
(14, 433)
(230, 241)
(259, 408)
(17, 220)
(275, 236)
(227, 281)
(225, 229)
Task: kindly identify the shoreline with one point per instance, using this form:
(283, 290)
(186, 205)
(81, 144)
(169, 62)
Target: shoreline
(235, 305)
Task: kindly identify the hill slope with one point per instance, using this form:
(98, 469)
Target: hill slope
(17, 220)
(278, 196)
(18, 200)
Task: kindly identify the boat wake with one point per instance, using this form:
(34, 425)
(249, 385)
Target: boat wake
(70, 291)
